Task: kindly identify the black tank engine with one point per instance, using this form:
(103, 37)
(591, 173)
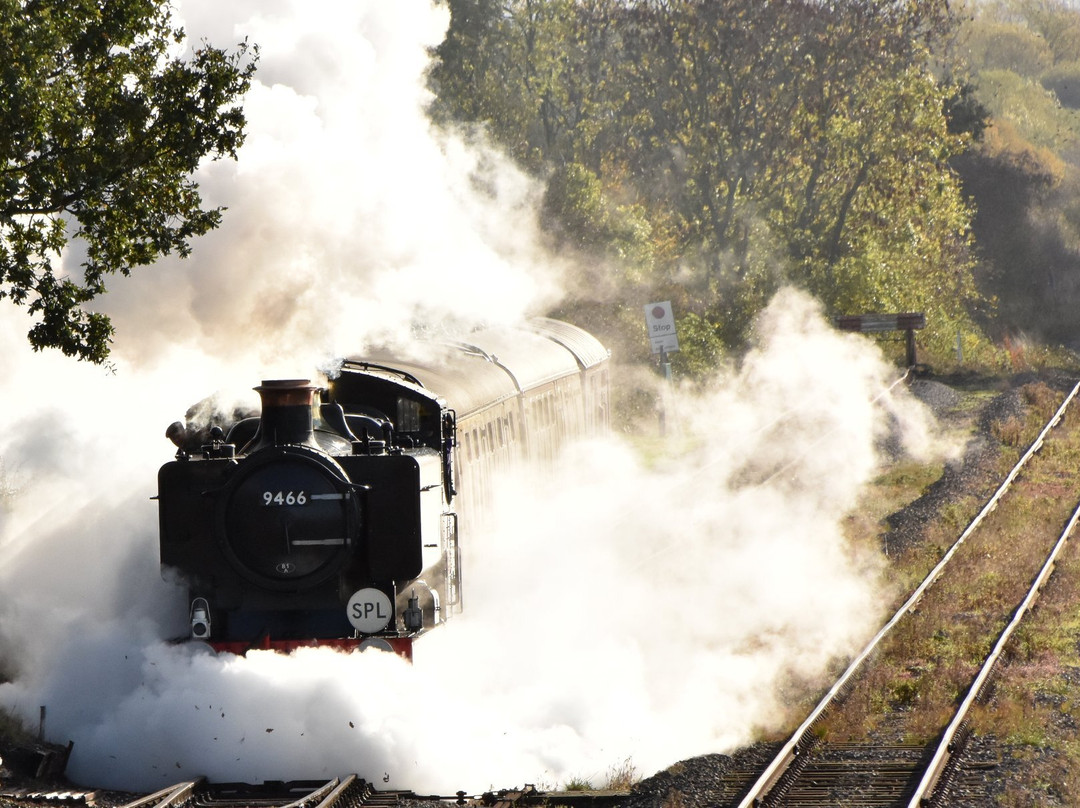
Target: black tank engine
(276, 534)
(332, 518)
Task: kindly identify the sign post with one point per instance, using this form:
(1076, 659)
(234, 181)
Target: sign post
(660, 323)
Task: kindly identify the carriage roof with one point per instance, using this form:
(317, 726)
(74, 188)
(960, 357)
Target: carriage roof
(490, 365)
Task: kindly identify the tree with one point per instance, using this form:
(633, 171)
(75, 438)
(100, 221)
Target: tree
(101, 129)
(468, 63)
(715, 149)
(1055, 21)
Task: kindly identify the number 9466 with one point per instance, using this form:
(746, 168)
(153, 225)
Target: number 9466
(284, 498)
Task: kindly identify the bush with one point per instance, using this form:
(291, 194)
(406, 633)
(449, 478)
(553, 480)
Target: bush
(1063, 80)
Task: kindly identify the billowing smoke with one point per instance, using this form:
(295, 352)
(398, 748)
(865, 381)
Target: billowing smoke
(620, 610)
(349, 218)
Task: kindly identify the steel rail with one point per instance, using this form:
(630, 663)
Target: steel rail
(945, 748)
(789, 751)
(317, 796)
(334, 795)
(322, 797)
(167, 797)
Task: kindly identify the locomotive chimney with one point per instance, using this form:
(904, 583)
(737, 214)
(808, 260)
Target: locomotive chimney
(286, 414)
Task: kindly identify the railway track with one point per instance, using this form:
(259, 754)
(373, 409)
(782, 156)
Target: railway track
(348, 792)
(951, 645)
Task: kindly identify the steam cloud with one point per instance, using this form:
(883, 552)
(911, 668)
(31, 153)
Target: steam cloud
(618, 611)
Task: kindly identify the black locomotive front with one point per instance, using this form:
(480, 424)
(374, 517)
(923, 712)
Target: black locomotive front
(293, 535)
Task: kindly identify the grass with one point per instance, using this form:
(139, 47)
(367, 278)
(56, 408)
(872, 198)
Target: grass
(1032, 714)
(1035, 707)
(620, 777)
(929, 670)
(578, 784)
(894, 488)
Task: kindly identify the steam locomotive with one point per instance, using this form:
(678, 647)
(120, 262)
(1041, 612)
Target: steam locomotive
(334, 516)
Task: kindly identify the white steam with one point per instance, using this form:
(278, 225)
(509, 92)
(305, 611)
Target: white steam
(348, 217)
(618, 610)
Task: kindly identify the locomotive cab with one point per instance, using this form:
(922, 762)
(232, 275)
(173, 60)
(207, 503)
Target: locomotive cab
(424, 429)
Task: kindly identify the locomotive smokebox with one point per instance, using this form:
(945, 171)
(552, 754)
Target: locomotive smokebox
(287, 417)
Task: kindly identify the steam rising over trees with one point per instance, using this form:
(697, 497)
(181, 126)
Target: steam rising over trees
(720, 149)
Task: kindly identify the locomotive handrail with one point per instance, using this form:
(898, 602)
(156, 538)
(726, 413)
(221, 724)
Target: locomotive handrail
(469, 348)
(362, 365)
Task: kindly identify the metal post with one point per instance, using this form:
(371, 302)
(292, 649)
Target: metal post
(665, 368)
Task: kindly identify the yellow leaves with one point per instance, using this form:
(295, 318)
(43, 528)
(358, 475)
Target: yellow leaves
(1003, 140)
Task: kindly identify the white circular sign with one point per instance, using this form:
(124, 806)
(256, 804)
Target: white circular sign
(369, 610)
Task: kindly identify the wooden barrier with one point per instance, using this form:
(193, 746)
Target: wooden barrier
(871, 323)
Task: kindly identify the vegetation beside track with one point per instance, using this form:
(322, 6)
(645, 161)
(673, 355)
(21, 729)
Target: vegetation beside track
(1026, 730)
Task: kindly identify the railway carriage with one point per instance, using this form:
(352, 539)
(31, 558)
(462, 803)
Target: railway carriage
(335, 517)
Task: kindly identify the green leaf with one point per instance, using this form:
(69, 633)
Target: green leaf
(100, 134)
